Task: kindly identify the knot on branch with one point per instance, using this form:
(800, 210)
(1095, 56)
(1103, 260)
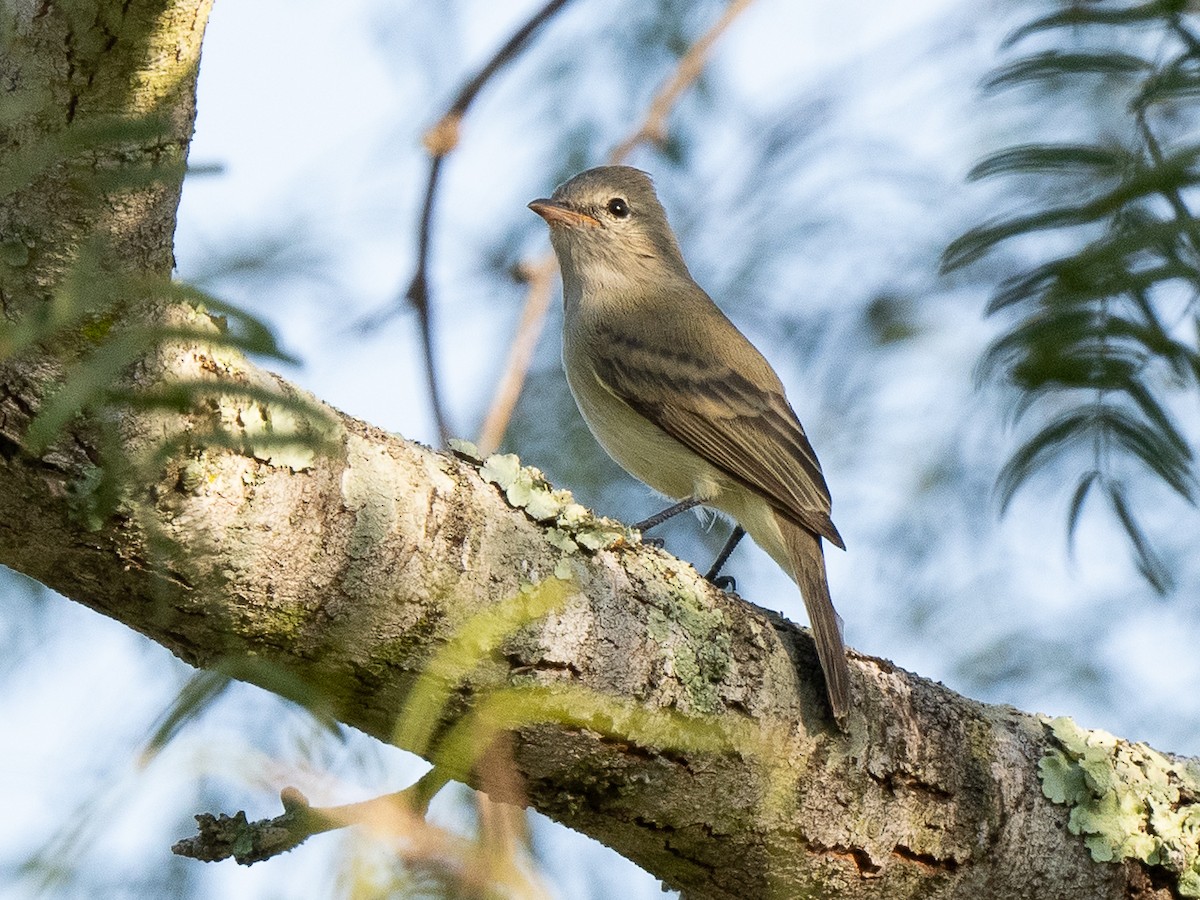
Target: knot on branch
(442, 138)
(221, 837)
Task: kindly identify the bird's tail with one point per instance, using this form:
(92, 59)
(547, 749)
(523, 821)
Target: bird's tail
(808, 567)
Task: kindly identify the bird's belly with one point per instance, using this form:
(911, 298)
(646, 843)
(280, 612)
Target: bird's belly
(643, 449)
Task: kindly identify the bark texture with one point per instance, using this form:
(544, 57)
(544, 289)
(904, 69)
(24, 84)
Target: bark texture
(351, 570)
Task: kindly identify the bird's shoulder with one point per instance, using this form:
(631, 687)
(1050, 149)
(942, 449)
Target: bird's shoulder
(678, 337)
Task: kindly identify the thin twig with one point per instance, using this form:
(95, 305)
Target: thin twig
(691, 65)
(223, 837)
(540, 275)
(495, 862)
(504, 55)
(539, 279)
(440, 140)
(417, 296)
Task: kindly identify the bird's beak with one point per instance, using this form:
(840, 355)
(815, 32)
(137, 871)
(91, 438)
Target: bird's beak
(556, 213)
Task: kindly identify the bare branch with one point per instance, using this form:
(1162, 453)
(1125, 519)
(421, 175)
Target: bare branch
(440, 140)
(503, 56)
(224, 837)
(654, 126)
(539, 278)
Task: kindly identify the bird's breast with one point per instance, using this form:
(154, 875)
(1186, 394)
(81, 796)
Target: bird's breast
(639, 446)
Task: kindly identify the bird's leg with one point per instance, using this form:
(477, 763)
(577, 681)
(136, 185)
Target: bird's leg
(725, 582)
(669, 513)
(660, 517)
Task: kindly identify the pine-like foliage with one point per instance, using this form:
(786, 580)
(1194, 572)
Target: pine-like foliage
(1102, 339)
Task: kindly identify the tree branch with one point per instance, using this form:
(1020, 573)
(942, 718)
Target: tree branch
(233, 837)
(690, 67)
(440, 140)
(539, 291)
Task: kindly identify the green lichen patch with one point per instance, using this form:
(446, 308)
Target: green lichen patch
(572, 525)
(275, 437)
(693, 638)
(1127, 800)
(466, 450)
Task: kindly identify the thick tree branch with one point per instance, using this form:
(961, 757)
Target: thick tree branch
(436, 602)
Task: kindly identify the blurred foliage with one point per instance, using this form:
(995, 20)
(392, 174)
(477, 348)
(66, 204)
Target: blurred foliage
(207, 686)
(95, 321)
(1019, 658)
(1102, 338)
(85, 310)
(97, 326)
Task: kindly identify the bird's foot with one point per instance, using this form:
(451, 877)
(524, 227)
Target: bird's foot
(724, 582)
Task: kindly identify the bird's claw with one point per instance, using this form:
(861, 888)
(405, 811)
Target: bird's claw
(724, 582)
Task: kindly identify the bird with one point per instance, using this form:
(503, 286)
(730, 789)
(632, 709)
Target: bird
(679, 397)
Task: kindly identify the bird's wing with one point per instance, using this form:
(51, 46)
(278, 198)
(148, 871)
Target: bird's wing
(747, 431)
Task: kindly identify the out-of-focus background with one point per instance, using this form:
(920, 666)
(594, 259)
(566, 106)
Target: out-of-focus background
(815, 173)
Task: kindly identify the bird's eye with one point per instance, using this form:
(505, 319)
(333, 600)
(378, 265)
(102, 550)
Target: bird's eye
(618, 207)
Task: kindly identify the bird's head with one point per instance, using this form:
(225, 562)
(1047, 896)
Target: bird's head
(607, 227)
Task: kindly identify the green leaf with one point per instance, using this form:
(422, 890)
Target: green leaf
(1056, 64)
(1156, 453)
(1114, 428)
(1174, 84)
(1098, 328)
(275, 678)
(978, 242)
(1148, 563)
(252, 335)
(1121, 248)
(1079, 280)
(1173, 175)
(20, 166)
(1109, 254)
(1037, 451)
(1082, 489)
(1050, 331)
(1084, 368)
(1097, 14)
(201, 691)
(85, 383)
(1158, 416)
(472, 644)
(1082, 159)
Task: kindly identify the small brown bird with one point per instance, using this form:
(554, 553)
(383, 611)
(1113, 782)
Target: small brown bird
(678, 396)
